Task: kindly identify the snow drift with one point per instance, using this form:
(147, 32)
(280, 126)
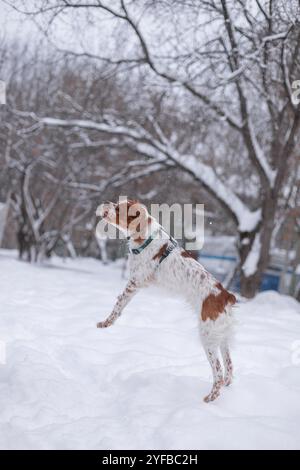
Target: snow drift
(140, 384)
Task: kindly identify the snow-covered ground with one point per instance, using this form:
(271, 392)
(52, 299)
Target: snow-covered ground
(140, 384)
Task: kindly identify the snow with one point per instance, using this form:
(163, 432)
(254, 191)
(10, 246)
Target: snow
(247, 219)
(88, 124)
(263, 162)
(162, 153)
(140, 384)
(250, 265)
(275, 37)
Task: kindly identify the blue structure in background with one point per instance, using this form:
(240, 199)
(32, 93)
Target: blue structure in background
(270, 280)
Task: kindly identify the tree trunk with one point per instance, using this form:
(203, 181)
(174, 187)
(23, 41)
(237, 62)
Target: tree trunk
(250, 283)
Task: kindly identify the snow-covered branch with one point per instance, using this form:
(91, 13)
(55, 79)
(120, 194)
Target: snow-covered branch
(260, 155)
(162, 154)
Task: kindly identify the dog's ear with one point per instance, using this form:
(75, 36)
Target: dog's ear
(136, 209)
(132, 202)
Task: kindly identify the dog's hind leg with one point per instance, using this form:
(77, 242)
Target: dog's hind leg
(212, 356)
(227, 363)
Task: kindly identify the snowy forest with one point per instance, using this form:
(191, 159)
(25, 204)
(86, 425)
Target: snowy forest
(201, 110)
(165, 101)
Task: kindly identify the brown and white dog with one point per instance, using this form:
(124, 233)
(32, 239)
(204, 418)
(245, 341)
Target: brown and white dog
(156, 258)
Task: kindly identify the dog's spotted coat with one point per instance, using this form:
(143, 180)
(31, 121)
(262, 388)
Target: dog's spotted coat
(179, 273)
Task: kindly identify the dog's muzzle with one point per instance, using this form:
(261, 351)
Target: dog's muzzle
(106, 210)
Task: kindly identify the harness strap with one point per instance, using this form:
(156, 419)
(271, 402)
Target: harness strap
(169, 250)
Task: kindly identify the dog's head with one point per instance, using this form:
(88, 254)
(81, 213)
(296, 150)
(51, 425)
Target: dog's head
(129, 216)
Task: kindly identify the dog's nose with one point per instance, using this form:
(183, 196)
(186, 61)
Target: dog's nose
(102, 210)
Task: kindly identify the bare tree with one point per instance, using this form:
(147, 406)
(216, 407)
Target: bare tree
(235, 59)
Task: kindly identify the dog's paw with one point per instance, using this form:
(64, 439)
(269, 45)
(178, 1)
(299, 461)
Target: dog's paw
(211, 397)
(215, 393)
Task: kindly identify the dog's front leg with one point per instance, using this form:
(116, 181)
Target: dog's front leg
(130, 290)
